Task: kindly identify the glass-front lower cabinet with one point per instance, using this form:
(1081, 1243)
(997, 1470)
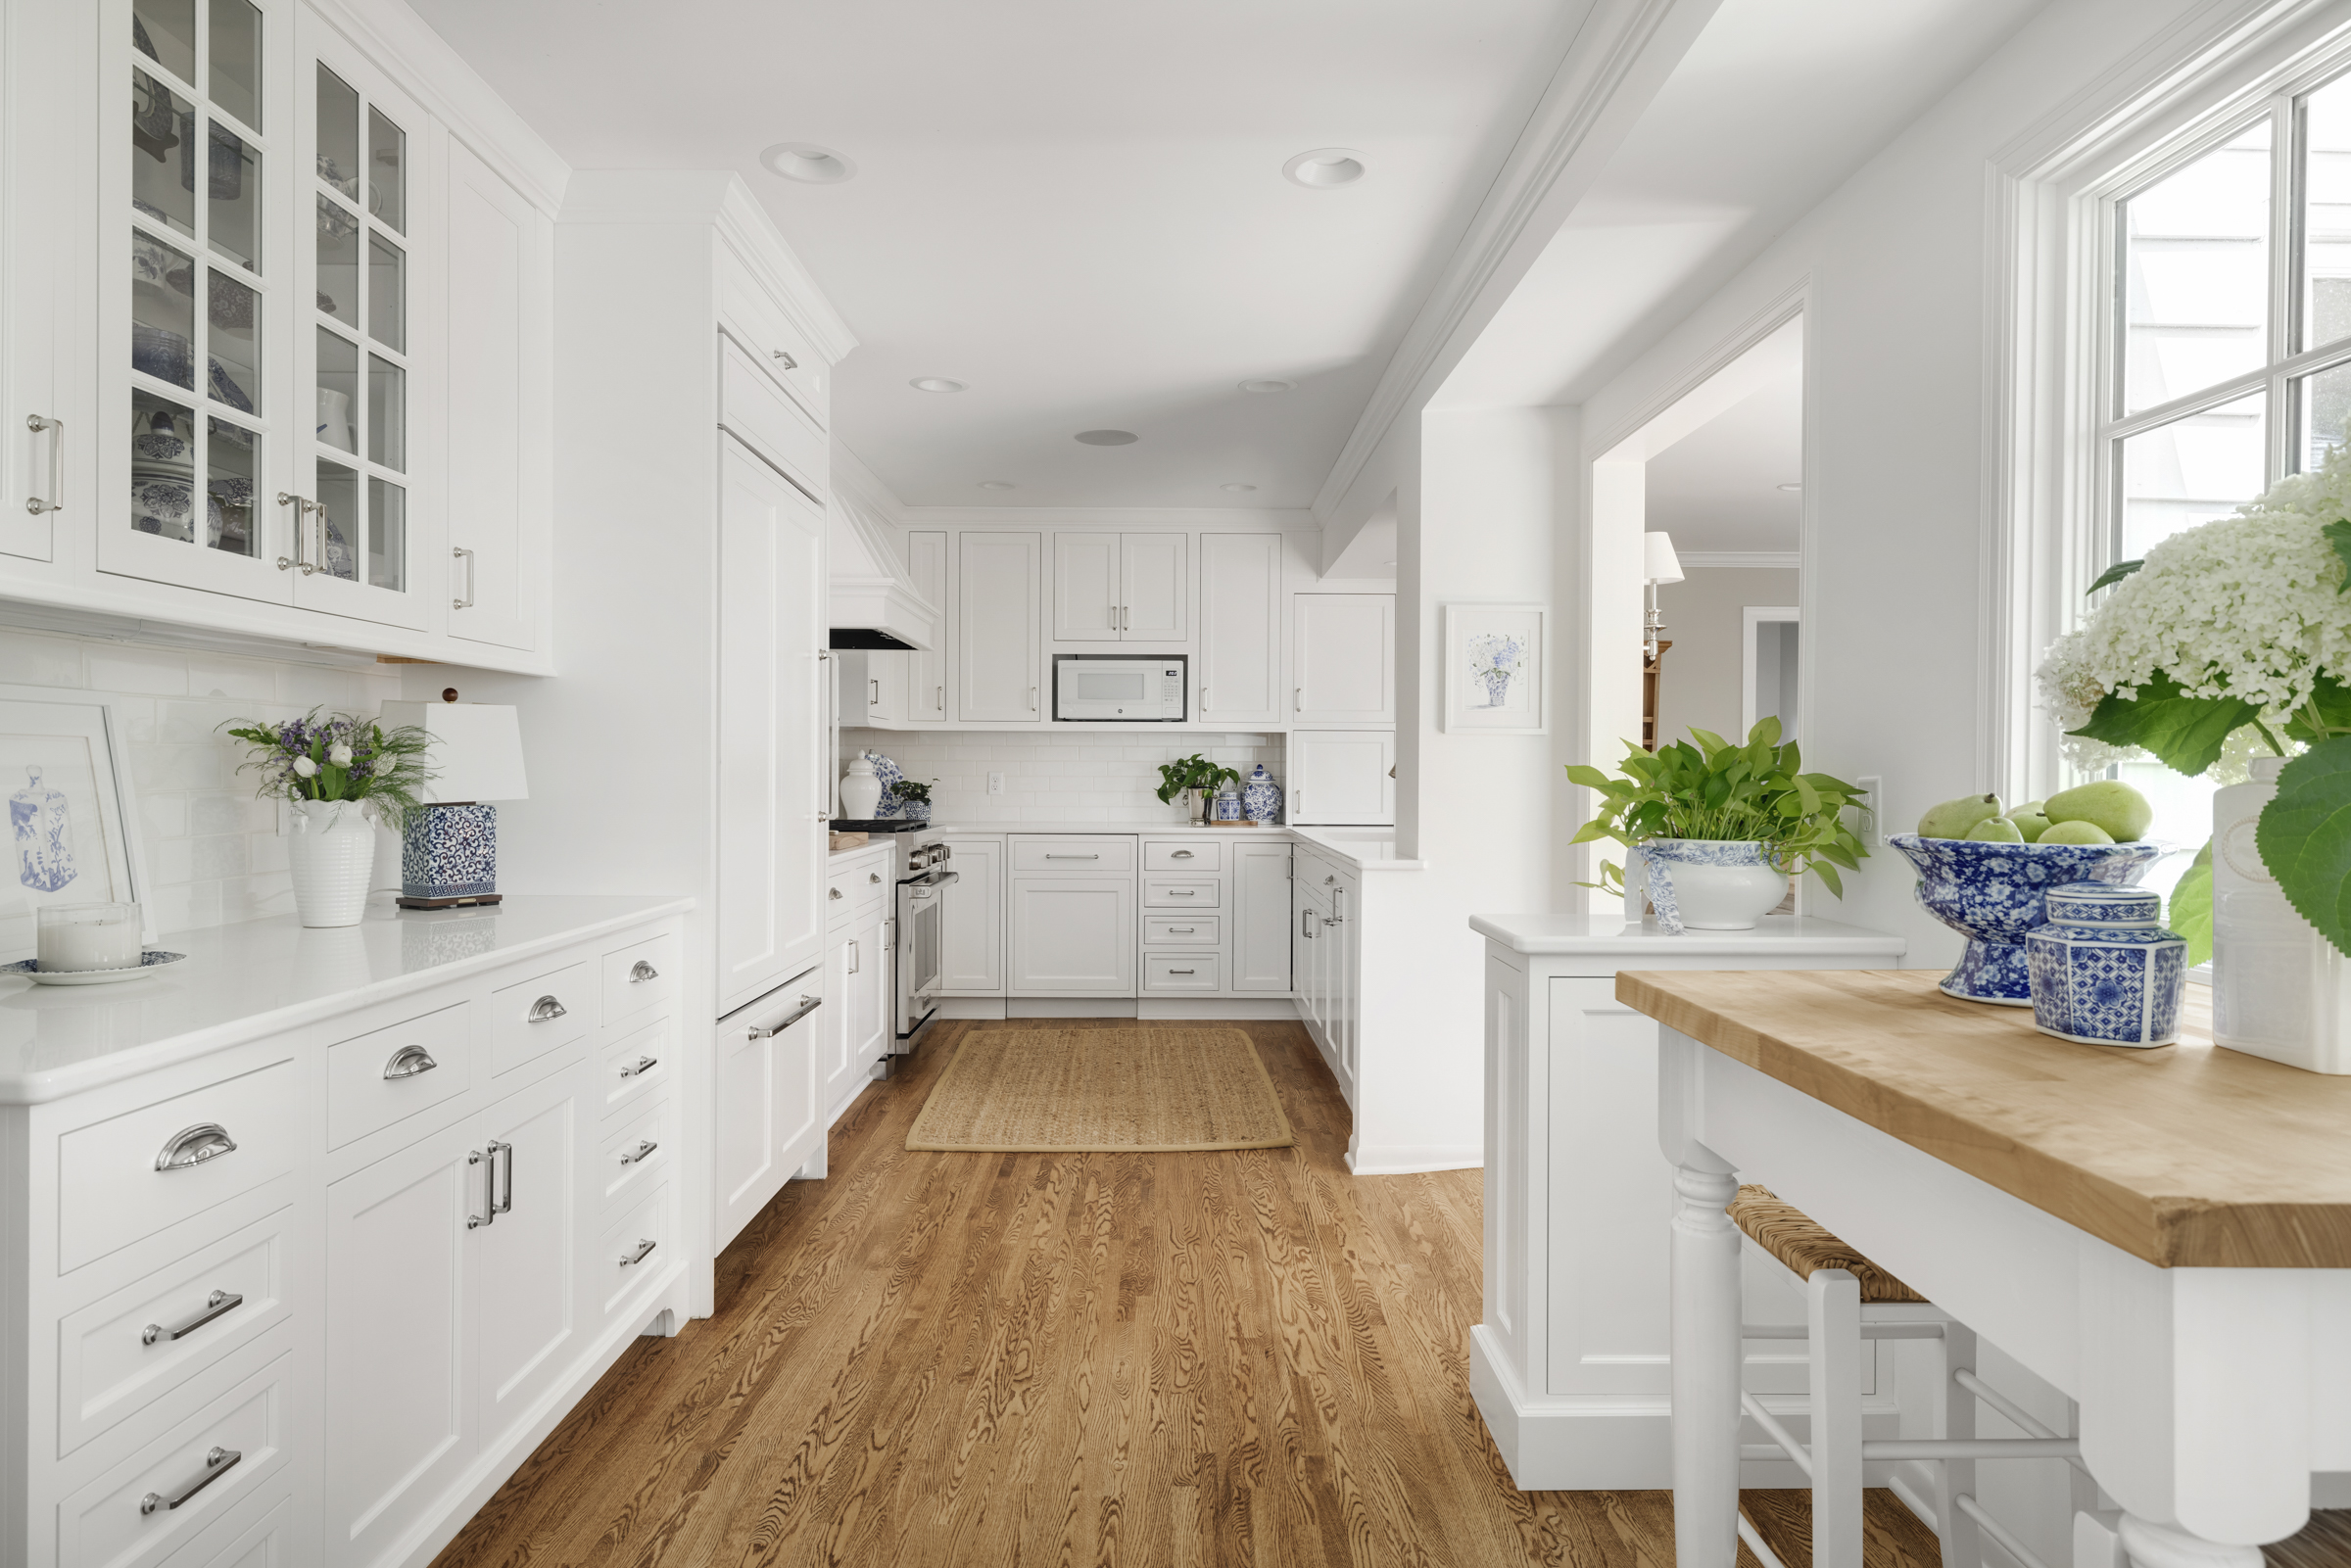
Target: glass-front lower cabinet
(264, 204)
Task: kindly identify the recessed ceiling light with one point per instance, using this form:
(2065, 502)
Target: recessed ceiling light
(1236, 487)
(1792, 489)
(1324, 168)
(996, 484)
(807, 162)
(1108, 437)
(935, 384)
(1268, 386)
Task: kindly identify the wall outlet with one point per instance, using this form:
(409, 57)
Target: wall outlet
(1866, 826)
(996, 784)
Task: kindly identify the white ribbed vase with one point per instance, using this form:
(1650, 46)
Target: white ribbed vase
(2278, 988)
(333, 857)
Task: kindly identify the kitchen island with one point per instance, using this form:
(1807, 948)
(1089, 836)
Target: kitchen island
(2164, 1235)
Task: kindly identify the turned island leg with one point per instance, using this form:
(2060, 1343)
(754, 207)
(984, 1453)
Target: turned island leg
(1706, 1356)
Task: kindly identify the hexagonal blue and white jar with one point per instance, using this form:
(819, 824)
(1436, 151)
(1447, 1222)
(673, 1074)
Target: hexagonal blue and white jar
(2104, 970)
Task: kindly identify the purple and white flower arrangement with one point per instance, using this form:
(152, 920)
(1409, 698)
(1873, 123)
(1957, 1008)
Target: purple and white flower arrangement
(338, 756)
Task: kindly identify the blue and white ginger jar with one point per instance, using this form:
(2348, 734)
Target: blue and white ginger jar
(2104, 970)
(1260, 797)
(891, 776)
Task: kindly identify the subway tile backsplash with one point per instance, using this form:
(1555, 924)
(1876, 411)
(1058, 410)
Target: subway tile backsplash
(212, 850)
(1055, 776)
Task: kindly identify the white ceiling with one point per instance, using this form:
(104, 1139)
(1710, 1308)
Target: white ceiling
(1717, 487)
(1075, 208)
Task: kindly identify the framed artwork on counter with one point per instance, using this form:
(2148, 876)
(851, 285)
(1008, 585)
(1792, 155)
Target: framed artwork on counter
(73, 834)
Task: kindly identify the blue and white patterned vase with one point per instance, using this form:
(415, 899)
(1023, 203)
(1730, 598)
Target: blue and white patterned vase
(1710, 884)
(2104, 970)
(1260, 797)
(891, 776)
(1227, 807)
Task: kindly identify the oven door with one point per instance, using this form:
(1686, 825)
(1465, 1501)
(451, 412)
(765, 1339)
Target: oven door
(919, 918)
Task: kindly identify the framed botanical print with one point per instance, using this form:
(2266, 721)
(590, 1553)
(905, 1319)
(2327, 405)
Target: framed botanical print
(72, 825)
(1494, 669)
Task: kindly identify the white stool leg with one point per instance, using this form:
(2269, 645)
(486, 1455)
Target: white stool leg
(1832, 1302)
(2154, 1545)
(1955, 1412)
(1707, 1358)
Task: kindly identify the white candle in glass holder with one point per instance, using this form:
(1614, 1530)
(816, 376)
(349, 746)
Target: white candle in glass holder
(89, 936)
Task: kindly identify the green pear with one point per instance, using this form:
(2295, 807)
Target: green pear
(2075, 832)
(1953, 818)
(2031, 823)
(2110, 803)
(1995, 830)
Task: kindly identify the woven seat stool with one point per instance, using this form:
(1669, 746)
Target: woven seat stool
(1849, 1300)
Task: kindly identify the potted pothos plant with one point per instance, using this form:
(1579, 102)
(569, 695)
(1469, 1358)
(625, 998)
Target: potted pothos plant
(1197, 775)
(1720, 827)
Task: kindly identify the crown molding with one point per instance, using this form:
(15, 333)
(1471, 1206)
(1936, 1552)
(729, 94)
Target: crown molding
(1787, 561)
(1623, 45)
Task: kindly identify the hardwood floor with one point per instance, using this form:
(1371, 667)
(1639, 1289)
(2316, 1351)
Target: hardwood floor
(1245, 1358)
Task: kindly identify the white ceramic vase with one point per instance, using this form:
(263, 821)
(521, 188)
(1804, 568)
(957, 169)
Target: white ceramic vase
(2278, 988)
(333, 857)
(1711, 885)
(860, 790)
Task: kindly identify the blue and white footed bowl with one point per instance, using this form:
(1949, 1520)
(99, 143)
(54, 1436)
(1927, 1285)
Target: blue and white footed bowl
(2104, 970)
(1996, 894)
(1261, 796)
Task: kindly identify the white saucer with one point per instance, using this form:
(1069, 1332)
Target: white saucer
(149, 961)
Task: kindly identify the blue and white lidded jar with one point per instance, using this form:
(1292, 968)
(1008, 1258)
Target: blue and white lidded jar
(2104, 970)
(1260, 797)
(1227, 807)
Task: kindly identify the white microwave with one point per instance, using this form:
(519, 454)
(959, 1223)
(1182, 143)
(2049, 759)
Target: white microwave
(1119, 687)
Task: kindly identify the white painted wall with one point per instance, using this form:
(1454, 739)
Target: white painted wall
(1702, 668)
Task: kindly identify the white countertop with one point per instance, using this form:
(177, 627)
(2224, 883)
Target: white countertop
(1366, 848)
(1612, 934)
(241, 982)
(879, 841)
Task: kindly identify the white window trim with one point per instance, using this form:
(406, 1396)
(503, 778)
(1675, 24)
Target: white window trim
(2048, 336)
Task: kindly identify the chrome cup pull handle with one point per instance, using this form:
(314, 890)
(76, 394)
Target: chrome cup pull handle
(1181, 854)
(644, 1146)
(408, 1062)
(644, 1064)
(219, 1303)
(638, 1255)
(56, 431)
(217, 1462)
(547, 1009)
(193, 1145)
(641, 972)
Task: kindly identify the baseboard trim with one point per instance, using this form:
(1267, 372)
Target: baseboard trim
(1411, 1160)
(1216, 1007)
(971, 1006)
(1069, 1007)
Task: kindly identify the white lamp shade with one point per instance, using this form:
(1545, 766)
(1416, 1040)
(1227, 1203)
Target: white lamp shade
(1661, 564)
(477, 749)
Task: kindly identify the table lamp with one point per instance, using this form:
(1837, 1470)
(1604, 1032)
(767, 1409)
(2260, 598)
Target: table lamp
(448, 853)
(1658, 564)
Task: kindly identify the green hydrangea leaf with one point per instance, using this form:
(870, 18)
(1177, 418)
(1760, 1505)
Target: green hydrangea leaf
(2338, 535)
(2334, 701)
(2190, 912)
(2186, 733)
(2113, 575)
(2305, 837)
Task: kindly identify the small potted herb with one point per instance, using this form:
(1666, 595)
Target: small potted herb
(1720, 827)
(1195, 778)
(914, 799)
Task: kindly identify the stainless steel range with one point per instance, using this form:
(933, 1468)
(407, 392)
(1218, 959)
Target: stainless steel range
(927, 872)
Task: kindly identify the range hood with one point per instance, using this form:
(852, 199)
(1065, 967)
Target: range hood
(873, 603)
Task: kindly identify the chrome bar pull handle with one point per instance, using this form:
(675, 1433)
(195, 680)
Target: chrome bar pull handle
(461, 554)
(851, 946)
(488, 1215)
(790, 363)
(644, 1064)
(641, 972)
(808, 1005)
(302, 507)
(55, 429)
(190, 1147)
(644, 1146)
(218, 1304)
(545, 1010)
(408, 1062)
(503, 1203)
(217, 1462)
(638, 1256)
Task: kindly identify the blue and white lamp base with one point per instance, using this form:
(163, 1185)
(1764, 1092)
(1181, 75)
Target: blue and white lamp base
(448, 856)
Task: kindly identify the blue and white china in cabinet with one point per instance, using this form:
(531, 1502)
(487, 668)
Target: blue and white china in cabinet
(1994, 894)
(2104, 970)
(1260, 797)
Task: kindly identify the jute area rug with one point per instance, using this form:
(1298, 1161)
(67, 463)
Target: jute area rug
(1085, 1090)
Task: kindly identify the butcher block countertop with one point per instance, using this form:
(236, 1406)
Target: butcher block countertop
(2187, 1156)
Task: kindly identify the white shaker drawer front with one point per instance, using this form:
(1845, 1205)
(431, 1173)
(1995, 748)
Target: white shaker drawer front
(1183, 930)
(1182, 972)
(387, 1074)
(769, 339)
(134, 1174)
(635, 1062)
(1167, 893)
(181, 1482)
(636, 1142)
(635, 1248)
(763, 417)
(1071, 853)
(531, 1017)
(639, 977)
(258, 1535)
(118, 1356)
(1205, 854)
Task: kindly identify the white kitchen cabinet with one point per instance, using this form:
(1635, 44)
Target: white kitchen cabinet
(1342, 776)
(768, 1123)
(999, 633)
(529, 1254)
(1309, 975)
(501, 356)
(1113, 588)
(854, 1030)
(873, 686)
(1326, 903)
(1343, 659)
(770, 801)
(1071, 935)
(1240, 628)
(971, 918)
(1259, 883)
(36, 179)
(927, 673)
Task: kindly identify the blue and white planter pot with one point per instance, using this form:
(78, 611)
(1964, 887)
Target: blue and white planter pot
(1261, 796)
(2104, 972)
(1997, 894)
(1710, 884)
